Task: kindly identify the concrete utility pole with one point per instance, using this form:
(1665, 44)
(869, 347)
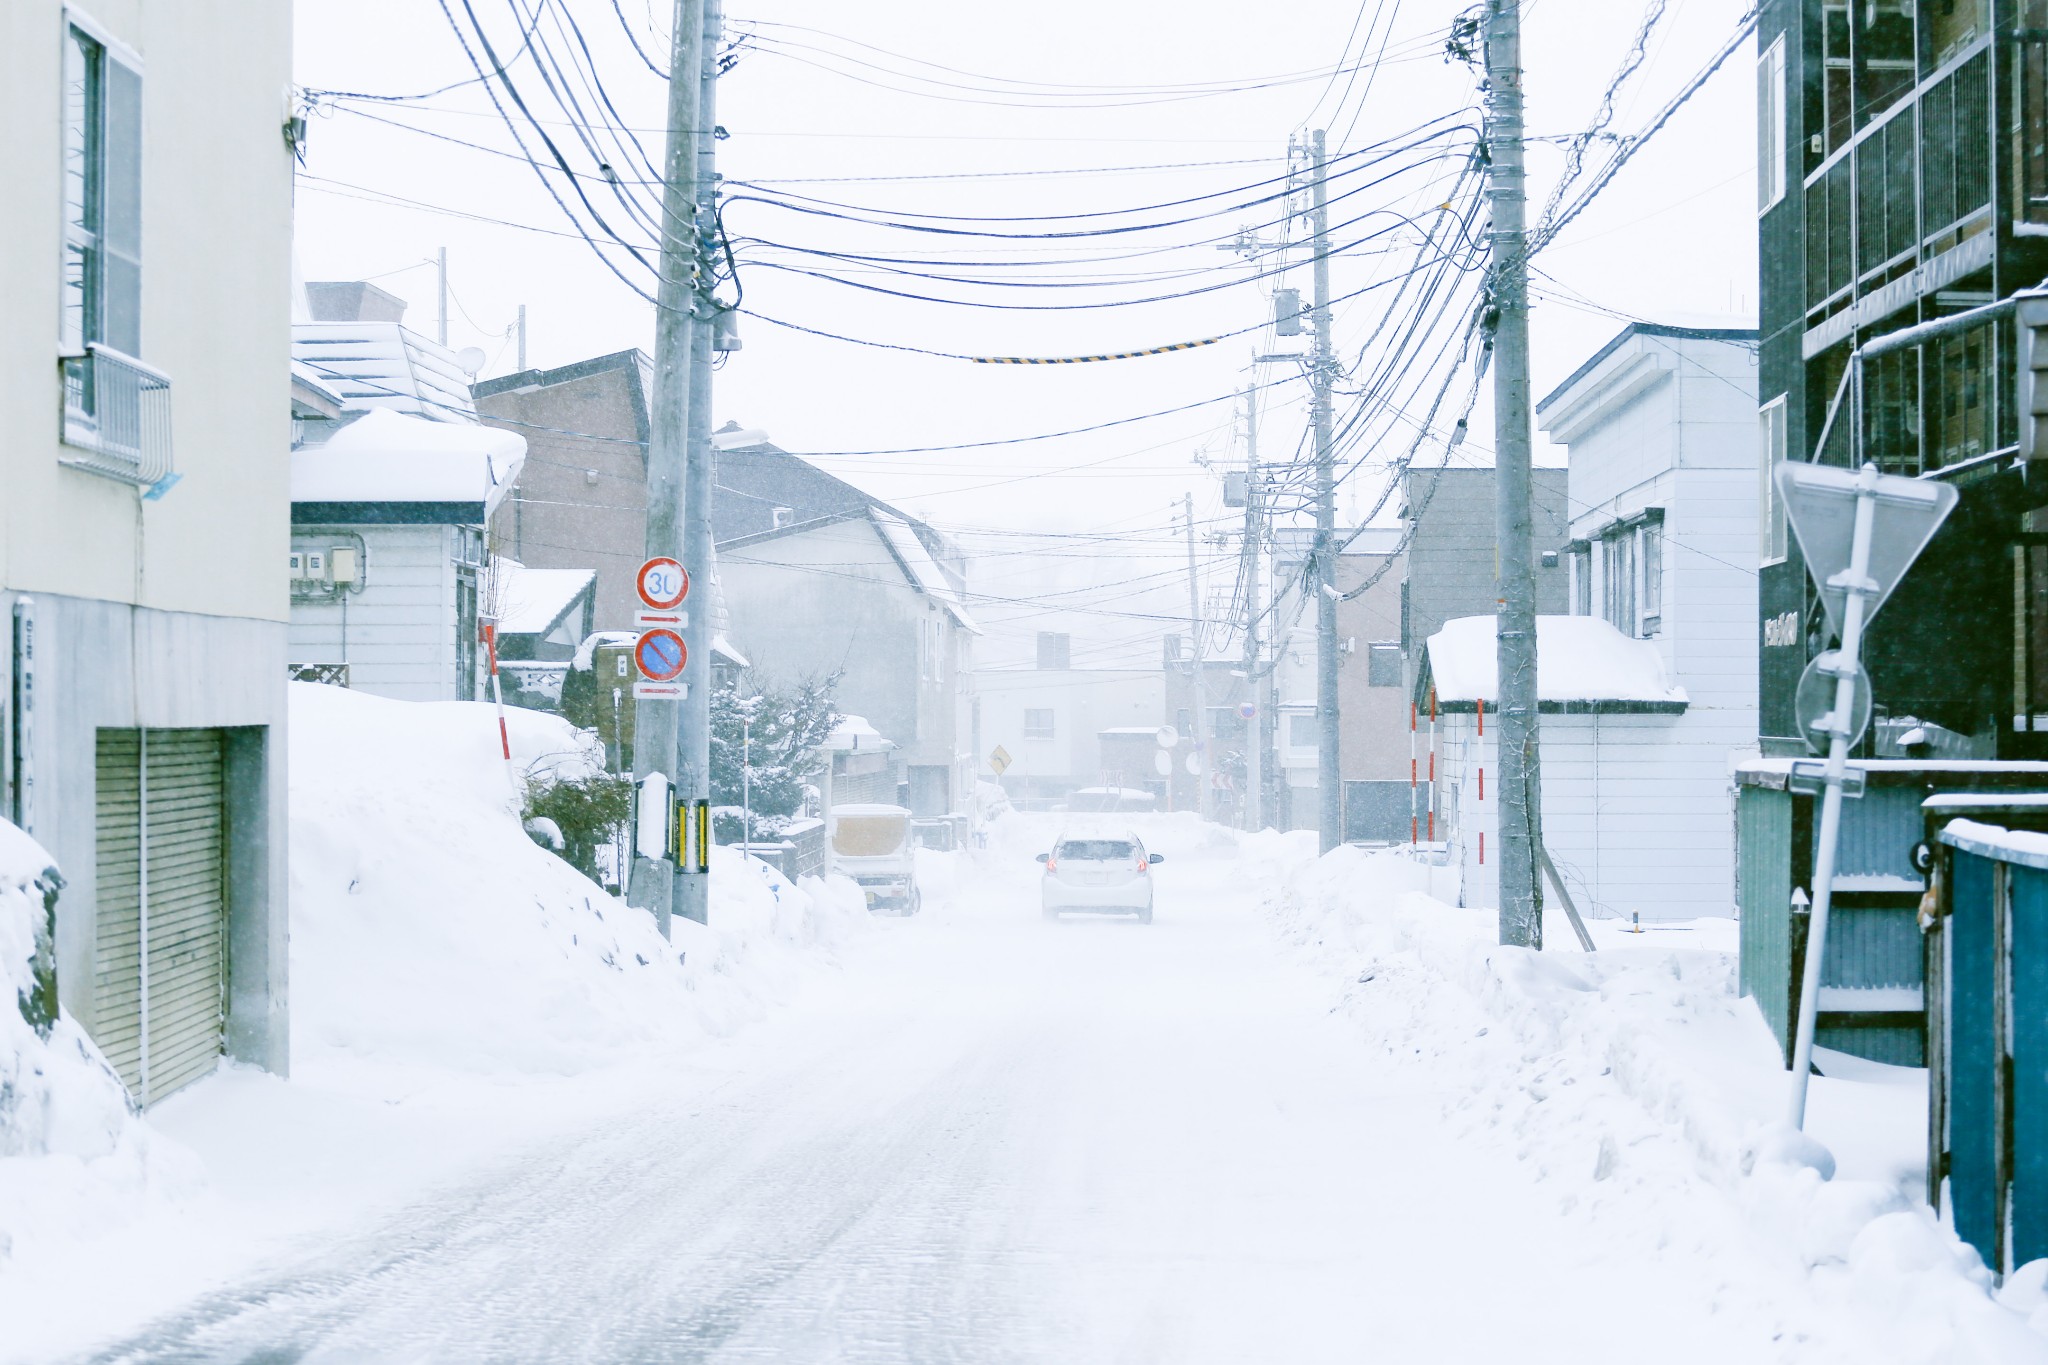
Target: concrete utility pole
(657, 722)
(1201, 706)
(1255, 728)
(694, 889)
(1329, 775)
(441, 273)
(522, 338)
(1521, 826)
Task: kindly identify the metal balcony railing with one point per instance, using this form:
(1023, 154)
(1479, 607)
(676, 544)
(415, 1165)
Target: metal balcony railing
(117, 416)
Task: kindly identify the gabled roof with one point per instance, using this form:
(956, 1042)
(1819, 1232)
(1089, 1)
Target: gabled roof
(920, 570)
(534, 601)
(385, 365)
(1643, 329)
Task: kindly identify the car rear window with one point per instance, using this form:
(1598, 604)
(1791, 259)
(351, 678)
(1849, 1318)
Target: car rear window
(1097, 850)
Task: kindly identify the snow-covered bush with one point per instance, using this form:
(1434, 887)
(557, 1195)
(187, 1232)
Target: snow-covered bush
(57, 1094)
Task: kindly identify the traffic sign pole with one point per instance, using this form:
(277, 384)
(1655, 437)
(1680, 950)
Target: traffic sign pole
(1813, 494)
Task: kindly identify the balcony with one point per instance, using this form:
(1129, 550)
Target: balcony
(117, 417)
(1904, 207)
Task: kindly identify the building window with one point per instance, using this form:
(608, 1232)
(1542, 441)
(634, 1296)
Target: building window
(1618, 581)
(1770, 125)
(1383, 665)
(102, 280)
(1038, 723)
(1582, 582)
(1770, 455)
(1652, 550)
(1301, 732)
(1055, 649)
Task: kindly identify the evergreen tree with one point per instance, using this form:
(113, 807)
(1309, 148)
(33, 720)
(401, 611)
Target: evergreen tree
(789, 725)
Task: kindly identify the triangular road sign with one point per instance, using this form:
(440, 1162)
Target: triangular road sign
(1820, 502)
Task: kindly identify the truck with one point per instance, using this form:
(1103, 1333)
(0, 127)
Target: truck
(872, 844)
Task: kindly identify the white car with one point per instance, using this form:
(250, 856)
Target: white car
(1094, 874)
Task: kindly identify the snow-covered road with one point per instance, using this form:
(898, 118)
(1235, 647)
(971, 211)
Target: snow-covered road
(993, 1139)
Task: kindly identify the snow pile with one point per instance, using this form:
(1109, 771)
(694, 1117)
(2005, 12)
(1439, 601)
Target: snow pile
(1648, 1095)
(429, 930)
(72, 1151)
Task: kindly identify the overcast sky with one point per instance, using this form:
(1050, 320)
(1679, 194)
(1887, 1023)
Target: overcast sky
(830, 94)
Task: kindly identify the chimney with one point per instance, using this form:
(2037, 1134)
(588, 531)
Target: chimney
(352, 301)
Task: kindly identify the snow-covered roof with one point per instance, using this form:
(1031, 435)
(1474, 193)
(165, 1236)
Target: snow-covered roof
(869, 808)
(385, 365)
(1578, 659)
(722, 646)
(586, 653)
(854, 732)
(388, 457)
(1149, 731)
(533, 600)
(924, 571)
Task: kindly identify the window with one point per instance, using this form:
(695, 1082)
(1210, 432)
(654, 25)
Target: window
(1770, 454)
(1652, 551)
(1301, 732)
(1038, 723)
(1582, 582)
(1383, 665)
(1618, 581)
(102, 282)
(1770, 125)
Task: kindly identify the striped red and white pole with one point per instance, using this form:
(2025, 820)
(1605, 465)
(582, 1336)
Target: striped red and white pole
(490, 634)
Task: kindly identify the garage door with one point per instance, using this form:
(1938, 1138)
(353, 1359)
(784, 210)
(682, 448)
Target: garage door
(160, 880)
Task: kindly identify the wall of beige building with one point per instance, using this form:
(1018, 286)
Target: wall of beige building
(166, 614)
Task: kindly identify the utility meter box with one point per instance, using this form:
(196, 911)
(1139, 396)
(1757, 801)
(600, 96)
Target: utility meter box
(1235, 489)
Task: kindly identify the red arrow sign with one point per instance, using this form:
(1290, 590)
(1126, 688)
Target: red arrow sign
(661, 655)
(662, 583)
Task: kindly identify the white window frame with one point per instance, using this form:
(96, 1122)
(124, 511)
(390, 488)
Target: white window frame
(1649, 621)
(1772, 532)
(1052, 723)
(1771, 169)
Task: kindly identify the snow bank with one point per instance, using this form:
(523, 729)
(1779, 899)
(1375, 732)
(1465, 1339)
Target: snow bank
(1646, 1093)
(1579, 658)
(72, 1150)
(429, 930)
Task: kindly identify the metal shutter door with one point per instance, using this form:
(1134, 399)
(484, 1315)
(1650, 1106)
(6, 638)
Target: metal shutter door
(168, 787)
(117, 964)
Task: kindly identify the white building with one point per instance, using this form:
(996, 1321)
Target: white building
(389, 568)
(1053, 721)
(1662, 493)
(144, 366)
(1621, 817)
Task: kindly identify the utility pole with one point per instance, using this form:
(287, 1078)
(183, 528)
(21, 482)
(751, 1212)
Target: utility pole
(522, 338)
(1203, 764)
(1521, 828)
(694, 889)
(1323, 364)
(441, 270)
(657, 722)
(1254, 538)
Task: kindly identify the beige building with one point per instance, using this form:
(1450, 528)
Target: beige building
(144, 374)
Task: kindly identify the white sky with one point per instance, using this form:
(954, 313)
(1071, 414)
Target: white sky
(1673, 239)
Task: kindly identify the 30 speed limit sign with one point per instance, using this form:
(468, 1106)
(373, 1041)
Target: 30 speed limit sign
(662, 583)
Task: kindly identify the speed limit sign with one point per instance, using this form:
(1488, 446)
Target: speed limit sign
(662, 583)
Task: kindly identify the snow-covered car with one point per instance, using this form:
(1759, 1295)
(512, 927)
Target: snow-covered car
(1098, 874)
(872, 845)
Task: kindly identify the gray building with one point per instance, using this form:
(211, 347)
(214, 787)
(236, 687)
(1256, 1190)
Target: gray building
(1450, 569)
(859, 592)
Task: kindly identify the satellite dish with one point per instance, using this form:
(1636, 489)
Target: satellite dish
(1163, 762)
(1169, 737)
(1194, 762)
(471, 359)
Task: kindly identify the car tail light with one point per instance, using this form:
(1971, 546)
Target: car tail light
(1052, 864)
(1143, 864)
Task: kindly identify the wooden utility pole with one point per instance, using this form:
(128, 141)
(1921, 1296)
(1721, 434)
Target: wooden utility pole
(1254, 541)
(1521, 831)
